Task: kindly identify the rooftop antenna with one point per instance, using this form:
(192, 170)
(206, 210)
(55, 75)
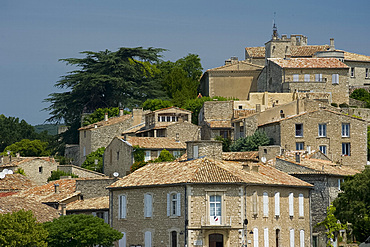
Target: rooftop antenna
(274, 28)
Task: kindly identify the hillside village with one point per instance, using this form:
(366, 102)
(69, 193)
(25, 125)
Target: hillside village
(275, 196)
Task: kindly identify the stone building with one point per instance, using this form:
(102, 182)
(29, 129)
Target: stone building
(100, 134)
(236, 79)
(119, 154)
(326, 177)
(210, 202)
(320, 75)
(341, 137)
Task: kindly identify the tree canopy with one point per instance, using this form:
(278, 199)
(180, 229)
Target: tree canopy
(28, 148)
(98, 115)
(353, 205)
(55, 175)
(89, 163)
(21, 229)
(80, 230)
(250, 143)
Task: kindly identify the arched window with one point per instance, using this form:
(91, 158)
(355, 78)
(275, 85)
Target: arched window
(173, 239)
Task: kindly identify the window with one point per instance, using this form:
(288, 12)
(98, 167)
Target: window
(335, 78)
(315, 241)
(255, 237)
(345, 130)
(322, 130)
(266, 237)
(299, 145)
(295, 77)
(148, 239)
(340, 181)
(367, 73)
(84, 133)
(301, 238)
(277, 204)
(118, 155)
(306, 77)
(301, 205)
(299, 130)
(122, 205)
(40, 169)
(195, 152)
(84, 151)
(291, 206)
(323, 149)
(318, 77)
(215, 209)
(352, 72)
(254, 202)
(122, 241)
(147, 156)
(240, 107)
(176, 153)
(346, 149)
(148, 205)
(173, 204)
(291, 234)
(265, 204)
(173, 239)
(224, 134)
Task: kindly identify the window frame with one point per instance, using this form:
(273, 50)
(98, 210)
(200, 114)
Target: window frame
(299, 132)
(322, 130)
(346, 148)
(318, 77)
(217, 208)
(323, 148)
(335, 79)
(307, 77)
(346, 128)
(367, 73)
(300, 205)
(295, 77)
(291, 204)
(173, 204)
(265, 204)
(299, 146)
(148, 205)
(277, 204)
(352, 71)
(122, 206)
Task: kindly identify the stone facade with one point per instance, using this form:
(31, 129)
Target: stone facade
(345, 149)
(79, 171)
(95, 187)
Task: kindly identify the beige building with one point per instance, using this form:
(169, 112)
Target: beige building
(341, 137)
(210, 202)
(236, 79)
(119, 154)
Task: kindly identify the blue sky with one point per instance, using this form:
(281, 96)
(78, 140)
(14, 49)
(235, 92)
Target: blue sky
(35, 34)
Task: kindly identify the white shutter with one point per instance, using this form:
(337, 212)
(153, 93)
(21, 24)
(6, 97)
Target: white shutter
(266, 237)
(106, 217)
(122, 241)
(295, 77)
(265, 204)
(148, 205)
(301, 208)
(195, 152)
(122, 207)
(168, 204)
(307, 77)
(277, 203)
(291, 206)
(292, 238)
(93, 213)
(178, 204)
(255, 237)
(148, 239)
(301, 238)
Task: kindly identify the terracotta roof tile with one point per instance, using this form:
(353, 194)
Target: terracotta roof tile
(241, 156)
(111, 121)
(356, 57)
(256, 52)
(178, 108)
(232, 67)
(296, 51)
(154, 142)
(205, 171)
(41, 211)
(15, 182)
(89, 204)
(331, 63)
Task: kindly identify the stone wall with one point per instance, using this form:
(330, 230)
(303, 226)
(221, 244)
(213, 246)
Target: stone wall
(359, 78)
(183, 131)
(38, 169)
(94, 187)
(211, 149)
(118, 157)
(72, 152)
(218, 110)
(79, 171)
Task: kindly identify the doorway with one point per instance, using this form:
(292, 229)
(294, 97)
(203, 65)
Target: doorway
(216, 240)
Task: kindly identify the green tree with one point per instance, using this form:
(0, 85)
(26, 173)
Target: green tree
(21, 229)
(89, 163)
(80, 230)
(28, 148)
(226, 142)
(331, 225)
(361, 94)
(250, 143)
(98, 115)
(353, 205)
(164, 156)
(55, 175)
(156, 104)
(104, 79)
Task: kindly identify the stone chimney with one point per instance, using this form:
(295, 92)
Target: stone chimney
(137, 115)
(120, 112)
(56, 188)
(255, 168)
(246, 167)
(106, 116)
(208, 148)
(332, 46)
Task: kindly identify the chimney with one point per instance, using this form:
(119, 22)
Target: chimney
(255, 168)
(208, 148)
(246, 168)
(106, 116)
(56, 188)
(332, 47)
(258, 107)
(298, 157)
(120, 112)
(137, 115)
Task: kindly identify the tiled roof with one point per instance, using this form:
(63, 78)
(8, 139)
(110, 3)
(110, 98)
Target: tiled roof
(134, 129)
(242, 113)
(177, 108)
(41, 211)
(205, 171)
(295, 51)
(234, 66)
(46, 192)
(356, 57)
(327, 63)
(154, 142)
(241, 156)
(219, 123)
(15, 182)
(256, 52)
(111, 121)
(89, 204)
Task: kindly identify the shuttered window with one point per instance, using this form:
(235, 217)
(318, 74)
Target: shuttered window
(148, 207)
(265, 204)
(291, 205)
(301, 205)
(277, 204)
(122, 207)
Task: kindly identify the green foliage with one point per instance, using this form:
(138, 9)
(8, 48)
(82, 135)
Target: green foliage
(21, 229)
(28, 148)
(137, 164)
(353, 205)
(156, 104)
(89, 163)
(55, 175)
(139, 153)
(20, 171)
(98, 115)
(331, 225)
(164, 156)
(51, 129)
(361, 94)
(80, 230)
(344, 105)
(250, 143)
(226, 142)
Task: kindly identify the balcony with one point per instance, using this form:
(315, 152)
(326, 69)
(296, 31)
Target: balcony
(226, 223)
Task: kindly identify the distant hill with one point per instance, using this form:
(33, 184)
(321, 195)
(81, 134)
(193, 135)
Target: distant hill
(52, 129)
